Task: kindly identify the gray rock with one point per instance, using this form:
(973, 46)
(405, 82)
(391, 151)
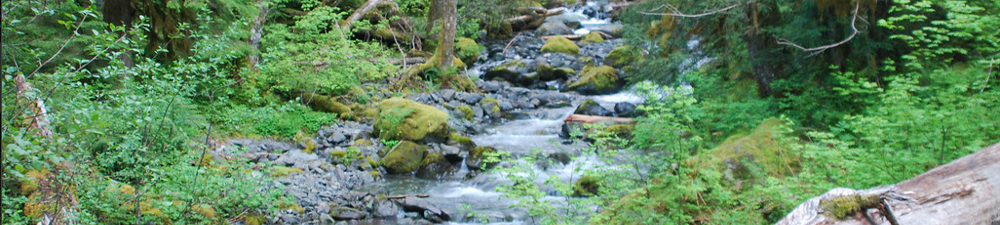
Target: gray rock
(386, 209)
(345, 213)
(553, 28)
(491, 86)
(295, 157)
(505, 105)
(625, 109)
(413, 204)
(336, 138)
(472, 98)
(447, 94)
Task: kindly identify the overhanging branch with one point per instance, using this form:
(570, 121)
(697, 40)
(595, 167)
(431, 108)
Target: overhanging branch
(677, 13)
(816, 50)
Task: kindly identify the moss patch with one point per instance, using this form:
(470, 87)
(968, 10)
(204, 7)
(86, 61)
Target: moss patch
(467, 49)
(280, 171)
(843, 206)
(325, 103)
(404, 158)
(622, 56)
(592, 37)
(467, 113)
(621, 130)
(205, 210)
(596, 80)
(403, 119)
(547, 72)
(456, 138)
(561, 45)
(587, 186)
(761, 146)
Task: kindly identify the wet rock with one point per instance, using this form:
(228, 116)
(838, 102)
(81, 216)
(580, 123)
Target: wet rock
(560, 157)
(447, 94)
(625, 109)
(472, 98)
(553, 28)
(423, 207)
(590, 107)
(386, 209)
(263, 145)
(295, 158)
(336, 138)
(571, 131)
(561, 45)
(435, 166)
(491, 86)
(476, 156)
(595, 80)
(346, 213)
(404, 158)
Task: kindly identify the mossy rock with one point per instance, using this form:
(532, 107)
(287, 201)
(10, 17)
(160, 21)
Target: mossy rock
(467, 113)
(403, 119)
(509, 71)
(363, 112)
(843, 206)
(281, 171)
(338, 154)
(467, 49)
(592, 37)
(561, 45)
(546, 72)
(620, 130)
(205, 210)
(31, 184)
(591, 107)
(456, 138)
(254, 219)
(504, 30)
(328, 104)
(404, 158)
(760, 146)
(596, 80)
(476, 156)
(587, 186)
(622, 56)
(435, 166)
(363, 142)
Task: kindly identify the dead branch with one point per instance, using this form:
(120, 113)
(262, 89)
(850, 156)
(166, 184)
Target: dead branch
(817, 50)
(988, 75)
(677, 13)
(39, 121)
(364, 9)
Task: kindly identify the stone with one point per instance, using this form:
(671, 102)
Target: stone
(435, 166)
(562, 45)
(346, 213)
(402, 119)
(625, 109)
(475, 159)
(406, 157)
(336, 138)
(295, 157)
(553, 28)
(386, 209)
(596, 80)
(447, 94)
(472, 98)
(423, 207)
(590, 107)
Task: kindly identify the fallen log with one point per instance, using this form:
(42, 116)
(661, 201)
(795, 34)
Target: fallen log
(579, 118)
(409, 195)
(964, 191)
(358, 13)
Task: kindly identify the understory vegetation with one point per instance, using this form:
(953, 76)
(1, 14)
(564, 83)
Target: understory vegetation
(109, 109)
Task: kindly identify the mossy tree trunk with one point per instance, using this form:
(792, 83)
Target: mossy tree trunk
(761, 46)
(448, 12)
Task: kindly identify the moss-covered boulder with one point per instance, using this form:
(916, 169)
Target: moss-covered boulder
(592, 37)
(403, 119)
(406, 157)
(587, 186)
(760, 147)
(591, 107)
(329, 104)
(435, 166)
(622, 56)
(476, 156)
(596, 80)
(547, 73)
(467, 49)
(562, 45)
(515, 71)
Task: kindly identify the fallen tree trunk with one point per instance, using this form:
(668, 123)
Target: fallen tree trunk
(964, 191)
(358, 13)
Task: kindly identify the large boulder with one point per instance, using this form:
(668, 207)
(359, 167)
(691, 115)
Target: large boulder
(625, 109)
(406, 157)
(435, 166)
(590, 107)
(596, 80)
(553, 28)
(467, 50)
(476, 156)
(547, 73)
(514, 71)
(403, 119)
(592, 37)
(622, 56)
(562, 45)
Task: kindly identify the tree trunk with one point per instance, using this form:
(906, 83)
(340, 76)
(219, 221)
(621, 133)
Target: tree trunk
(760, 46)
(449, 26)
(964, 191)
(358, 13)
(257, 32)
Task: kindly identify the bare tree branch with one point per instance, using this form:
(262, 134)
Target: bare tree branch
(677, 13)
(817, 50)
(368, 6)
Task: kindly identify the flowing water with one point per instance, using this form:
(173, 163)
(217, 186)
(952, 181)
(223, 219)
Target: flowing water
(535, 134)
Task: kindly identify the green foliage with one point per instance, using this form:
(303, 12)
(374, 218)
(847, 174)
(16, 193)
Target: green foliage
(290, 119)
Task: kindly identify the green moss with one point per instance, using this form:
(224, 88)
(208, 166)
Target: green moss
(31, 184)
(363, 142)
(622, 56)
(205, 210)
(338, 154)
(547, 72)
(843, 206)
(761, 146)
(309, 144)
(592, 37)
(467, 49)
(431, 159)
(587, 186)
(206, 160)
(374, 173)
(467, 113)
(404, 158)
(254, 219)
(621, 130)
(596, 80)
(362, 112)
(459, 139)
(280, 171)
(587, 103)
(325, 103)
(561, 45)
(403, 119)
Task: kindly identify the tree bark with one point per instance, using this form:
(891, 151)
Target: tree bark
(449, 26)
(760, 46)
(358, 13)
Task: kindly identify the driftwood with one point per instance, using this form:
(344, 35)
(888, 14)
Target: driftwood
(578, 118)
(964, 191)
(409, 195)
